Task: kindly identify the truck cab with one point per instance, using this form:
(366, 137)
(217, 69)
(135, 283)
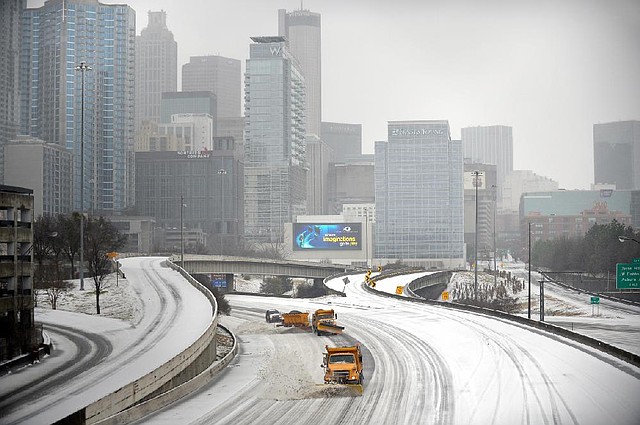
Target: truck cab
(343, 365)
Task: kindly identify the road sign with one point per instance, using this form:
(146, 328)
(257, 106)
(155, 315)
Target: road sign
(628, 275)
(445, 296)
(399, 290)
(595, 300)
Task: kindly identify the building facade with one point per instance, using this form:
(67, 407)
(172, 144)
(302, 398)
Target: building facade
(351, 183)
(319, 158)
(219, 75)
(156, 67)
(490, 145)
(303, 31)
(344, 139)
(46, 168)
(482, 185)
(208, 184)
(275, 172)
(16, 270)
(187, 102)
(10, 15)
(616, 154)
(419, 196)
(56, 38)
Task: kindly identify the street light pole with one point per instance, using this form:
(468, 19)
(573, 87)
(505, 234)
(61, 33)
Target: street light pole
(475, 267)
(83, 67)
(495, 207)
(181, 233)
(221, 172)
(529, 309)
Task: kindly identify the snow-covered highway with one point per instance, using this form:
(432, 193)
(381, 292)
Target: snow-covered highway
(95, 355)
(423, 364)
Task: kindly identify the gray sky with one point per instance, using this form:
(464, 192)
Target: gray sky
(550, 69)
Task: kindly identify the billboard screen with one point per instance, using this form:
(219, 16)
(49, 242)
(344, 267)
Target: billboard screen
(327, 236)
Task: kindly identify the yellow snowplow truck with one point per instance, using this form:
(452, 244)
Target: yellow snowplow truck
(343, 365)
(323, 322)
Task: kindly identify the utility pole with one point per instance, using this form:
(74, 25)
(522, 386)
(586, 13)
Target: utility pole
(529, 309)
(83, 67)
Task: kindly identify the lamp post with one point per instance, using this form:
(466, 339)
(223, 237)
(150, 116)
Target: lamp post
(529, 308)
(622, 238)
(83, 67)
(495, 207)
(221, 172)
(476, 174)
(182, 205)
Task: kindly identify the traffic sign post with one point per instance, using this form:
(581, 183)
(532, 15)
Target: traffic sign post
(595, 305)
(445, 296)
(628, 275)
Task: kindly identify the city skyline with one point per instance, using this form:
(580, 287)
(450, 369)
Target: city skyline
(550, 71)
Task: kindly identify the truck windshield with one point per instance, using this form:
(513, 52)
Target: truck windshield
(342, 358)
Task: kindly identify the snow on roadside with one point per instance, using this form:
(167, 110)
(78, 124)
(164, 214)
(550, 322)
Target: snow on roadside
(117, 299)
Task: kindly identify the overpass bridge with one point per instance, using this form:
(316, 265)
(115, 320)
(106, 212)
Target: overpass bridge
(217, 264)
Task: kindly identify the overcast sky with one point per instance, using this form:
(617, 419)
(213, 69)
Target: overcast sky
(550, 69)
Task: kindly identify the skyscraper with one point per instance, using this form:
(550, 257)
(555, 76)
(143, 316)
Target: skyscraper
(10, 13)
(616, 154)
(490, 145)
(156, 67)
(56, 38)
(219, 75)
(419, 195)
(303, 32)
(344, 139)
(275, 173)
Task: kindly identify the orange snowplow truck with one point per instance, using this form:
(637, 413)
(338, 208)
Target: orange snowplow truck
(295, 318)
(343, 365)
(324, 322)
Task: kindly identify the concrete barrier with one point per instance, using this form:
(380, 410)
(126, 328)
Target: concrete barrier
(143, 409)
(163, 378)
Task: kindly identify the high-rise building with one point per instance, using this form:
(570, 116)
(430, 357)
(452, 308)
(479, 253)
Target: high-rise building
(187, 102)
(344, 139)
(210, 184)
(490, 145)
(56, 38)
(156, 67)
(319, 157)
(10, 13)
(351, 183)
(616, 154)
(275, 173)
(419, 196)
(219, 75)
(302, 30)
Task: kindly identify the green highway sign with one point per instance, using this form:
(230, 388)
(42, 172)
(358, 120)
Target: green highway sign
(595, 300)
(628, 275)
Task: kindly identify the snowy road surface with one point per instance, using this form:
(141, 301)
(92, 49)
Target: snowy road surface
(102, 354)
(423, 364)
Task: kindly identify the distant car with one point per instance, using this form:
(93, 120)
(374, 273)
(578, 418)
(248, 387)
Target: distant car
(273, 316)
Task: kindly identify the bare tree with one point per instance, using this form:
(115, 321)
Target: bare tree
(48, 253)
(101, 239)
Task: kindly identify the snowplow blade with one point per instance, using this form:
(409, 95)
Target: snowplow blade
(334, 329)
(340, 390)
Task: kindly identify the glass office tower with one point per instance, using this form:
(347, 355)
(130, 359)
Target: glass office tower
(56, 38)
(275, 173)
(419, 196)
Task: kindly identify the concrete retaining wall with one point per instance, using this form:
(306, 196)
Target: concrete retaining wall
(143, 409)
